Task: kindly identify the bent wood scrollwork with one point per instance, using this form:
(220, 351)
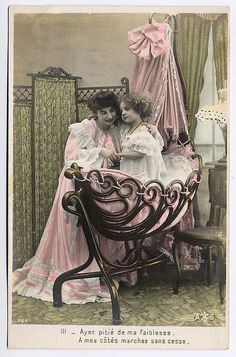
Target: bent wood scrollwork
(111, 205)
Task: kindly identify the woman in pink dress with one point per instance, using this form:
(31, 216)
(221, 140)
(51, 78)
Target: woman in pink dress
(91, 143)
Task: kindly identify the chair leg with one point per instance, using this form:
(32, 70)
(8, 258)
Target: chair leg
(221, 272)
(177, 266)
(163, 267)
(57, 288)
(57, 295)
(68, 275)
(209, 266)
(116, 320)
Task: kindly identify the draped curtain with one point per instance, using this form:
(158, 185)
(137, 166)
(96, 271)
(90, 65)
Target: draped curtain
(220, 45)
(155, 71)
(192, 50)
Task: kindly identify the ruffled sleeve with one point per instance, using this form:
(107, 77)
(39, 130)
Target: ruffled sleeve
(80, 147)
(143, 142)
(150, 165)
(157, 136)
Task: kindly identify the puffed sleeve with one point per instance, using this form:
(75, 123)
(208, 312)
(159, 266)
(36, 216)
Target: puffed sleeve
(80, 146)
(157, 136)
(143, 142)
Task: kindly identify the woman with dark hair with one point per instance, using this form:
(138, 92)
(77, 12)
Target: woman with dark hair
(91, 143)
(94, 141)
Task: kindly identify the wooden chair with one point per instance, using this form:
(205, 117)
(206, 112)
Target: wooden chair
(211, 236)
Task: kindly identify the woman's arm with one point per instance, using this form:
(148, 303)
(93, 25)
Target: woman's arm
(81, 147)
(108, 154)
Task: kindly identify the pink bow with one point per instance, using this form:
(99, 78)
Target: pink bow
(148, 40)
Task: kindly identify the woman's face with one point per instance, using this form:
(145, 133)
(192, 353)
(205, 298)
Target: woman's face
(107, 116)
(128, 114)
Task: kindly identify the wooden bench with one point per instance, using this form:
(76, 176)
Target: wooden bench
(118, 207)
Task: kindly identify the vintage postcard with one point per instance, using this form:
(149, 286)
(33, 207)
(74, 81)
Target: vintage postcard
(128, 247)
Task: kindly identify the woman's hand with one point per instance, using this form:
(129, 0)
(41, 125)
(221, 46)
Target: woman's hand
(108, 154)
(119, 155)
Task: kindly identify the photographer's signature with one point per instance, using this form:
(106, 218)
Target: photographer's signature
(203, 316)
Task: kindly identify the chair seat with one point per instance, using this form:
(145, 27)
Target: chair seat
(201, 236)
(204, 237)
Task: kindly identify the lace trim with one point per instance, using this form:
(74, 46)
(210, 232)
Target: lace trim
(85, 160)
(40, 286)
(76, 128)
(177, 161)
(149, 151)
(68, 299)
(140, 142)
(159, 139)
(219, 117)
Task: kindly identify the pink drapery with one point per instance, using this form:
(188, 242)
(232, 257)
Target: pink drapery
(155, 71)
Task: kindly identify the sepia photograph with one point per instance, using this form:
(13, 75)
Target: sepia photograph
(118, 177)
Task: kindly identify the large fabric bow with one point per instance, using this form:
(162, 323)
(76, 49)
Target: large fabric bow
(148, 41)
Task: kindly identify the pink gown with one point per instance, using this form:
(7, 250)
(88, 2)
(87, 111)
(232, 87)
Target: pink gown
(63, 245)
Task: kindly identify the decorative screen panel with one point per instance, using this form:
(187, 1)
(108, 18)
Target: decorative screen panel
(42, 114)
(22, 184)
(54, 110)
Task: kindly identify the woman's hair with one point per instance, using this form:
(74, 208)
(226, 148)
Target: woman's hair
(104, 99)
(140, 102)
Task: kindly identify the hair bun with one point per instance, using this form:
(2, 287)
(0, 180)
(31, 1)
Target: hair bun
(103, 99)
